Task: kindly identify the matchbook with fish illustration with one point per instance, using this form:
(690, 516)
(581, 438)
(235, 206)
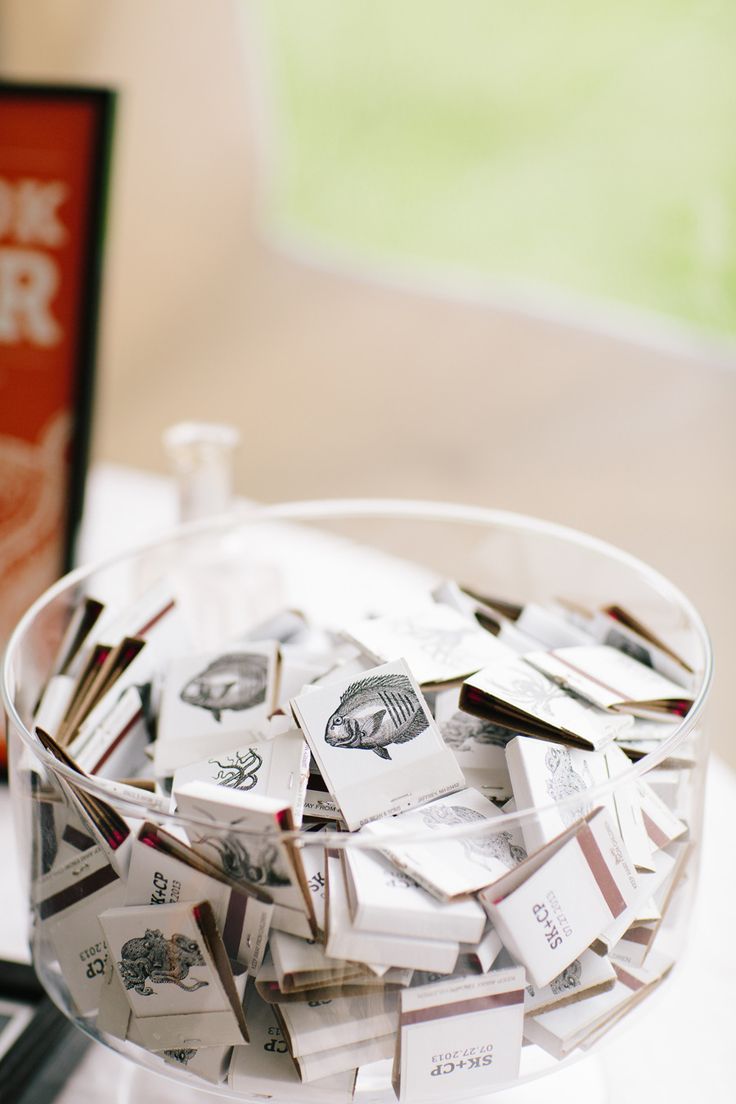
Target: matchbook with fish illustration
(208, 697)
(377, 744)
(302, 858)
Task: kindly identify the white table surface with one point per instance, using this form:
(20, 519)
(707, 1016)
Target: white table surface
(683, 1052)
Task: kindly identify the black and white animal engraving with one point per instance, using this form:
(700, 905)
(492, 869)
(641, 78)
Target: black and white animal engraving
(460, 730)
(440, 644)
(495, 847)
(234, 681)
(258, 861)
(532, 690)
(239, 771)
(568, 979)
(182, 1056)
(375, 712)
(160, 960)
(564, 780)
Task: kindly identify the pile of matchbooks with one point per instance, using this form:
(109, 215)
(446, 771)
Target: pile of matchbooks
(299, 855)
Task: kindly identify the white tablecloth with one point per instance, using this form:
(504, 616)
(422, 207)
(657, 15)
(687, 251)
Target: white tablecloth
(683, 1052)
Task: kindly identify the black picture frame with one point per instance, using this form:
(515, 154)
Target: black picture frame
(48, 130)
(102, 104)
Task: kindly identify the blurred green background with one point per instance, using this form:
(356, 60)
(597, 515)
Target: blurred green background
(582, 145)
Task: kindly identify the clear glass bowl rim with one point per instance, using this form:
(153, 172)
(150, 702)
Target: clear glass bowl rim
(365, 508)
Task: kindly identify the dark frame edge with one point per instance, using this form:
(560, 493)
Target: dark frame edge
(104, 101)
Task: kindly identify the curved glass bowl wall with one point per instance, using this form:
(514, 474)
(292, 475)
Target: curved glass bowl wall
(338, 561)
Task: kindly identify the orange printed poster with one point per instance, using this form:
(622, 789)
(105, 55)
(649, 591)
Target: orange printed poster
(54, 145)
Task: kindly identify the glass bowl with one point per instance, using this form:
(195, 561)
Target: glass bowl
(338, 562)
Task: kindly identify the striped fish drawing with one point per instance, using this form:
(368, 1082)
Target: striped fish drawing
(375, 712)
